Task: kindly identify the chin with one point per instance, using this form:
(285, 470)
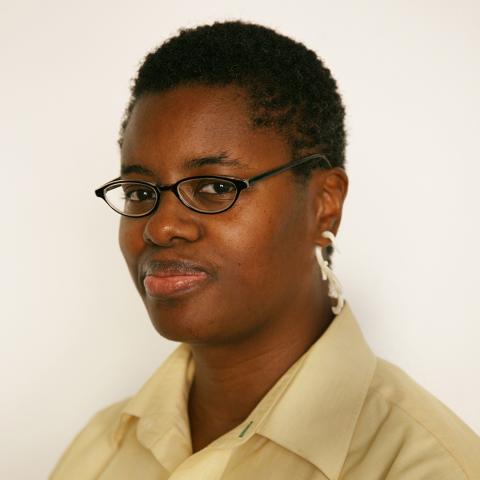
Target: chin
(187, 325)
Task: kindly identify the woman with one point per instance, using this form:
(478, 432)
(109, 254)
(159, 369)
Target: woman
(231, 193)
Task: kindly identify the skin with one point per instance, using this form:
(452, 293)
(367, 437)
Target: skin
(266, 302)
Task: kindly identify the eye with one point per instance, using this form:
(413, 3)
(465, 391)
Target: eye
(216, 187)
(138, 193)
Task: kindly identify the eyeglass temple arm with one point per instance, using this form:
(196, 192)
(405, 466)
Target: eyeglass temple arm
(288, 166)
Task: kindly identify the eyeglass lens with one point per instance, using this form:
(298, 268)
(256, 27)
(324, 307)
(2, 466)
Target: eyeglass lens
(202, 194)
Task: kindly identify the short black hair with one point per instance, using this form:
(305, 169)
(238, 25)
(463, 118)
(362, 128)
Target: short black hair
(289, 87)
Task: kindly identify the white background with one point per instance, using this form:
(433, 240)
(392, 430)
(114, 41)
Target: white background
(75, 336)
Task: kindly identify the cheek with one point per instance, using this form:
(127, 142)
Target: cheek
(271, 243)
(130, 240)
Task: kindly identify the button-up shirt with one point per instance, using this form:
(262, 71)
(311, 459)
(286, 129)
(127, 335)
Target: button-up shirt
(338, 413)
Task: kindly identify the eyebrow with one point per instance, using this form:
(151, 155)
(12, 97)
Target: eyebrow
(126, 169)
(220, 159)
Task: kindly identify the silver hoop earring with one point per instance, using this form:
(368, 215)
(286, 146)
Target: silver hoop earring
(335, 289)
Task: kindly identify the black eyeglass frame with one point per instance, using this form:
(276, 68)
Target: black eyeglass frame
(240, 184)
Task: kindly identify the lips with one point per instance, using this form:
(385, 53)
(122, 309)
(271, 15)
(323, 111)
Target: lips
(174, 277)
(167, 286)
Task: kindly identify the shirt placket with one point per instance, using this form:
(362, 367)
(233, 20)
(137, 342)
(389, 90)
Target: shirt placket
(208, 464)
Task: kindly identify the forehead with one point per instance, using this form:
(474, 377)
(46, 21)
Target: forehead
(168, 129)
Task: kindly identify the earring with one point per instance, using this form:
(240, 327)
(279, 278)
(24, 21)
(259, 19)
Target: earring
(334, 287)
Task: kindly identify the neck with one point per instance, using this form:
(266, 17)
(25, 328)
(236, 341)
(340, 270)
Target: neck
(231, 380)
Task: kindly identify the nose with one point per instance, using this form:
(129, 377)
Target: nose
(171, 221)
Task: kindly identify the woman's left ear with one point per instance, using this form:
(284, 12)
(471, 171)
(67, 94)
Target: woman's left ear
(330, 190)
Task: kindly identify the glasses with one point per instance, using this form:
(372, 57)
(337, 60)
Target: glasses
(204, 194)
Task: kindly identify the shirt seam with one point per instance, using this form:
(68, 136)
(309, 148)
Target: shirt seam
(365, 391)
(418, 422)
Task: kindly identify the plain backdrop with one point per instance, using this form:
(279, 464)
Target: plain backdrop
(75, 335)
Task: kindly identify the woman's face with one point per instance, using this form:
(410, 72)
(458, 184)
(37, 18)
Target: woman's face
(258, 255)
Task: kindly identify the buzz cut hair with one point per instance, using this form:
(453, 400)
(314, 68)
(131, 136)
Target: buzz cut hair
(288, 86)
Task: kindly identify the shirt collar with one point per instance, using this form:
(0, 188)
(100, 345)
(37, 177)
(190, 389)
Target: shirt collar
(312, 410)
(161, 409)
(316, 416)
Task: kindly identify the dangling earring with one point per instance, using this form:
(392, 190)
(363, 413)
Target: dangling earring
(334, 286)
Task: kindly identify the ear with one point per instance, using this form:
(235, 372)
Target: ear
(329, 189)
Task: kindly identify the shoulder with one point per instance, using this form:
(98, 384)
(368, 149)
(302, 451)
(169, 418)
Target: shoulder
(92, 445)
(420, 436)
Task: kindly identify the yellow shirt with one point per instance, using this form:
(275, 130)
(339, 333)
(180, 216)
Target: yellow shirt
(338, 413)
